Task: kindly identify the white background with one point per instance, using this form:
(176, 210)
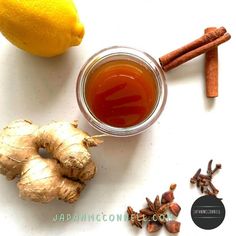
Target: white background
(192, 129)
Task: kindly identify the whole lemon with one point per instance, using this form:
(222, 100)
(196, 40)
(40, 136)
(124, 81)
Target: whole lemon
(42, 27)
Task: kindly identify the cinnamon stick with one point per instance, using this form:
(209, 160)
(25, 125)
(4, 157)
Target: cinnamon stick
(195, 48)
(206, 38)
(211, 69)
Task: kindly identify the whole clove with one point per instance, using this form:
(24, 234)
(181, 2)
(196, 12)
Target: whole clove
(194, 179)
(204, 182)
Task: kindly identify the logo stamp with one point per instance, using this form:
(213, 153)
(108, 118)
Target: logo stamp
(208, 212)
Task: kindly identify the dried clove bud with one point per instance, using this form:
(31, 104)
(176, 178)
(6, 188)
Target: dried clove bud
(209, 167)
(208, 192)
(193, 180)
(174, 208)
(213, 188)
(173, 226)
(204, 182)
(205, 177)
(218, 166)
(202, 189)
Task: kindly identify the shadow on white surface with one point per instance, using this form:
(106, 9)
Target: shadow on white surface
(189, 72)
(209, 103)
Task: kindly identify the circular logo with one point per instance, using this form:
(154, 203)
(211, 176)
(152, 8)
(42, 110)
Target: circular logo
(208, 212)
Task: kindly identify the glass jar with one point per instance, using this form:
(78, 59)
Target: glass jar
(113, 54)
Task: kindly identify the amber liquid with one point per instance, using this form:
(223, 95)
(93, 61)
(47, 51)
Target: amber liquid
(121, 93)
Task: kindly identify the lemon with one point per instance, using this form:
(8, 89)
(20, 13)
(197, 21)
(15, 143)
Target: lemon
(42, 27)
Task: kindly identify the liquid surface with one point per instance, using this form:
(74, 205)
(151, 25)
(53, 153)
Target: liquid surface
(121, 93)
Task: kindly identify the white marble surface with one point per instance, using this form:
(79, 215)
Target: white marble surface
(191, 130)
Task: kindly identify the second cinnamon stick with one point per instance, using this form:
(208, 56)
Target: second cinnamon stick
(211, 69)
(194, 53)
(208, 37)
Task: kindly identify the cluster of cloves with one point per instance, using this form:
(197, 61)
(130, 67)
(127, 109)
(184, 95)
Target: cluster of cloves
(158, 213)
(204, 182)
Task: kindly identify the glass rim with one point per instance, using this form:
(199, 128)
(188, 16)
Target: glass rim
(129, 53)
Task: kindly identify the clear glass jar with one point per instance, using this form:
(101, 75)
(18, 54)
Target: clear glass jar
(121, 53)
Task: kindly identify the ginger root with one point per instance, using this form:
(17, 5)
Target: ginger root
(42, 179)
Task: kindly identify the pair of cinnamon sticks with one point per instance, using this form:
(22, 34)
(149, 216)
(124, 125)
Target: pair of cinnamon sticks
(207, 44)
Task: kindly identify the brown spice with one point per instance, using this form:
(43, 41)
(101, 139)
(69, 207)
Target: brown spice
(213, 188)
(206, 38)
(157, 213)
(193, 180)
(167, 197)
(204, 182)
(218, 166)
(153, 226)
(199, 46)
(173, 226)
(173, 187)
(211, 69)
(134, 217)
(209, 167)
(174, 208)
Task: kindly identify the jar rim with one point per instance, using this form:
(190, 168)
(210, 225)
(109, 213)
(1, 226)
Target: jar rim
(130, 53)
